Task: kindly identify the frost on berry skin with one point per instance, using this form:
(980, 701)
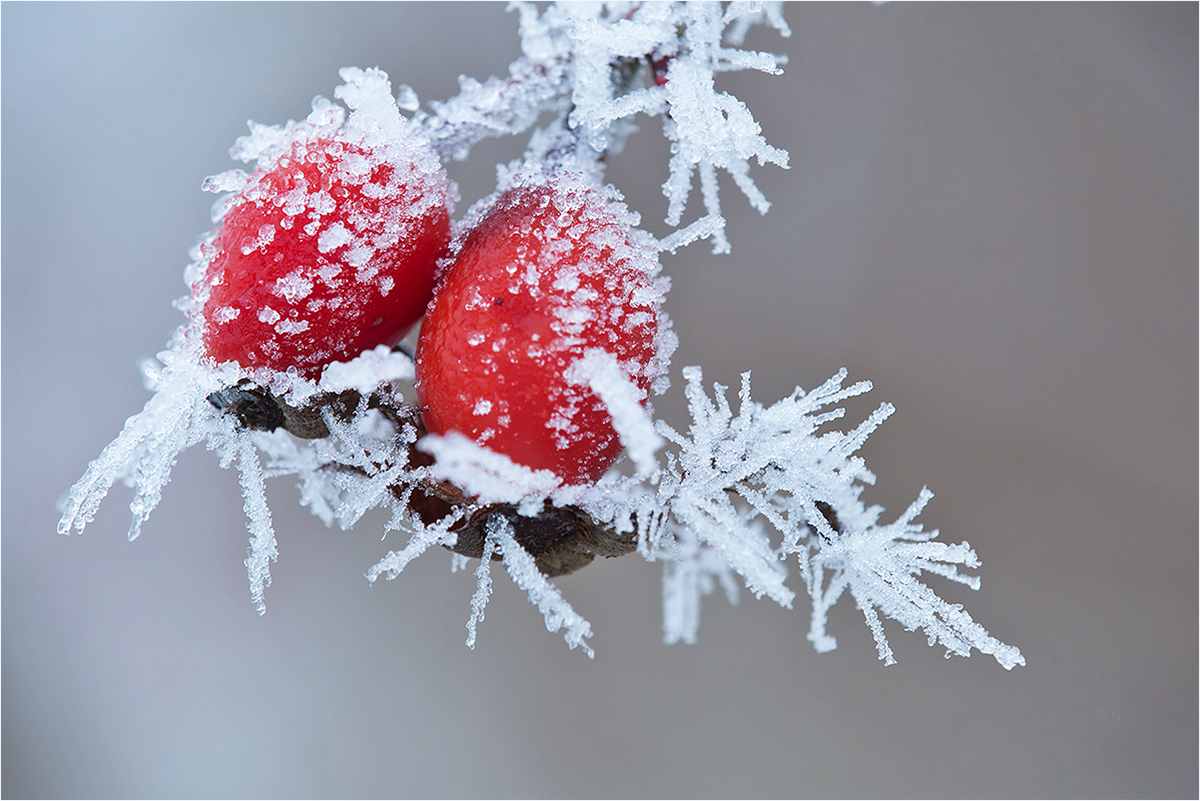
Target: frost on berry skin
(329, 248)
(549, 270)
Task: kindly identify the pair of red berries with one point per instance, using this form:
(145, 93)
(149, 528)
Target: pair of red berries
(333, 249)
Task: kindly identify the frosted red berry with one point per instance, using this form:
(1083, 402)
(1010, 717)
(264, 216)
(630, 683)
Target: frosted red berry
(550, 269)
(328, 251)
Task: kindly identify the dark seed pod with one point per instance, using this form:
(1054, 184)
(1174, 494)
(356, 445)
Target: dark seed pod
(561, 539)
(307, 421)
(253, 407)
(260, 410)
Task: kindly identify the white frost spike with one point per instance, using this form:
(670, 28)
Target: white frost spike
(880, 565)
(370, 487)
(746, 14)
(488, 476)
(542, 593)
(688, 580)
(146, 450)
(600, 371)
(713, 461)
(258, 521)
(483, 588)
(570, 50)
(367, 370)
(422, 539)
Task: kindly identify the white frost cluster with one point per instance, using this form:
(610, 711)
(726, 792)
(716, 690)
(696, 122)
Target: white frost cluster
(726, 503)
(144, 453)
(594, 60)
(525, 574)
(880, 564)
(602, 374)
(737, 476)
(178, 416)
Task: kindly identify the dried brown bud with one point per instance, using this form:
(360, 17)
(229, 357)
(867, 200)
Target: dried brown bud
(560, 539)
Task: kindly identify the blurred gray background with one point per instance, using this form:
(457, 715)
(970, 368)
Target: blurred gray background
(991, 213)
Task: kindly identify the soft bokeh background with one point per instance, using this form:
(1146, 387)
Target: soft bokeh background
(991, 213)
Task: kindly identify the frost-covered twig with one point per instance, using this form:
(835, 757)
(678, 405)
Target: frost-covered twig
(807, 486)
(880, 565)
(578, 60)
(495, 107)
(727, 501)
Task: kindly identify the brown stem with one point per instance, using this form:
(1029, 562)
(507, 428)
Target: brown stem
(561, 539)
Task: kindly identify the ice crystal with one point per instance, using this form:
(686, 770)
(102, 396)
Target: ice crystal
(879, 564)
(770, 465)
(175, 418)
(487, 476)
(542, 593)
(601, 372)
(596, 61)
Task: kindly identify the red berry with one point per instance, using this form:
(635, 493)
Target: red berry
(550, 269)
(658, 66)
(329, 251)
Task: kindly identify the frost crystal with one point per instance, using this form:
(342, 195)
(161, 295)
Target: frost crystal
(727, 502)
(144, 453)
(880, 565)
(806, 485)
(487, 476)
(262, 543)
(601, 372)
(542, 594)
(606, 63)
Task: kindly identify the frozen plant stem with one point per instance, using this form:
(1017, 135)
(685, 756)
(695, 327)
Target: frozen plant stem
(551, 295)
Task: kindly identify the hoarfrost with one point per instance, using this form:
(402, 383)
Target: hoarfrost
(262, 540)
(603, 375)
(807, 486)
(291, 326)
(366, 371)
(727, 502)
(483, 589)
(293, 287)
(422, 539)
(229, 181)
(487, 476)
(880, 565)
(590, 59)
(686, 580)
(333, 237)
(542, 593)
(175, 418)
